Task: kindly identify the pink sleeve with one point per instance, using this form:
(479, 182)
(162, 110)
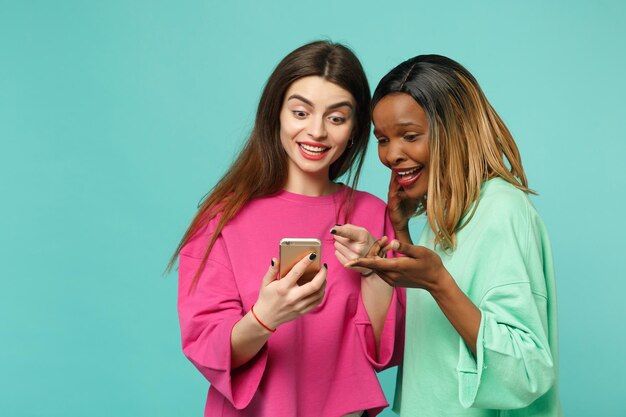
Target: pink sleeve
(392, 337)
(207, 316)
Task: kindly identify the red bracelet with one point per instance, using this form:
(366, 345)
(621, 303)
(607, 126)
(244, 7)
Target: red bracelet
(260, 322)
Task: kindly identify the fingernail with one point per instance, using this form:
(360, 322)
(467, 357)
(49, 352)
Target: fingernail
(333, 232)
(312, 256)
(337, 224)
(272, 262)
(325, 266)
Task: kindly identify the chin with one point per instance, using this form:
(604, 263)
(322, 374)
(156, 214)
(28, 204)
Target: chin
(416, 193)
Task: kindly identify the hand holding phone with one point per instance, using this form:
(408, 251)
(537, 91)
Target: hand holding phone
(292, 250)
(283, 300)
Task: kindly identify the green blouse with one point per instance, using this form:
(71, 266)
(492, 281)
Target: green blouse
(503, 262)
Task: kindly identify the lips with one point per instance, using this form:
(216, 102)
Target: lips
(407, 176)
(312, 151)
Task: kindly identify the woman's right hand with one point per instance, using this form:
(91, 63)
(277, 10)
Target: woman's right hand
(283, 300)
(401, 208)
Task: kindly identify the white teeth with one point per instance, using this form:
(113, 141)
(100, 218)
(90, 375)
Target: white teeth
(317, 149)
(411, 171)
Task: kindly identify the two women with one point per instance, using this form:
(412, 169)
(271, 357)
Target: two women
(481, 321)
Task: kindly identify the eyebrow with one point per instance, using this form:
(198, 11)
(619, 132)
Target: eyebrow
(404, 124)
(401, 124)
(310, 103)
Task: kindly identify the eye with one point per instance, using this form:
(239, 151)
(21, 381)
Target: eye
(337, 120)
(411, 137)
(299, 114)
(382, 140)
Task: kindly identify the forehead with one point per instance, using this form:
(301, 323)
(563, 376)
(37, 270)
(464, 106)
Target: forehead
(398, 108)
(318, 90)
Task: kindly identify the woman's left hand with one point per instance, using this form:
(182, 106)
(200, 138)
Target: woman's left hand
(352, 242)
(419, 268)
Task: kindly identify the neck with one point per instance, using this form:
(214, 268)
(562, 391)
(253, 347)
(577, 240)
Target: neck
(312, 186)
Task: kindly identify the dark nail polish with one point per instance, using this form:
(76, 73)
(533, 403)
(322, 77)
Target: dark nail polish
(312, 256)
(325, 266)
(333, 232)
(272, 262)
(337, 224)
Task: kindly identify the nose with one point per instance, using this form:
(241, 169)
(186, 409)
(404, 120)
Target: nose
(316, 128)
(394, 154)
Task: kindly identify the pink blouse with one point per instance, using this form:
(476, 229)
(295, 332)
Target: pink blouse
(321, 364)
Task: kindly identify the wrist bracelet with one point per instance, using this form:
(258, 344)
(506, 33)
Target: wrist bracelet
(259, 320)
(368, 273)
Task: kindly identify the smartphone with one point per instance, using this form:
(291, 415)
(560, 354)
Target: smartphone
(292, 250)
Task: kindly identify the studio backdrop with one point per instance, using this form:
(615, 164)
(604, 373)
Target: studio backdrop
(116, 117)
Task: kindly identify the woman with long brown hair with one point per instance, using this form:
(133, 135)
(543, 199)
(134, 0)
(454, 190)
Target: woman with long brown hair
(481, 330)
(268, 346)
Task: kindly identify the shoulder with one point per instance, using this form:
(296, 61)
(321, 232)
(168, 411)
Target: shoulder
(506, 212)
(370, 212)
(503, 214)
(197, 244)
(499, 193)
(510, 208)
(501, 202)
(363, 198)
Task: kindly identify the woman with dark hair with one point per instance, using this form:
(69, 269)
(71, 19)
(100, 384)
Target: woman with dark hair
(481, 325)
(268, 346)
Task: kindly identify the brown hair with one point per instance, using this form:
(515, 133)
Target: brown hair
(468, 141)
(264, 154)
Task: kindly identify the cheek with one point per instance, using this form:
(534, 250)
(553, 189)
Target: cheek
(344, 138)
(382, 155)
(422, 189)
(340, 138)
(426, 177)
(426, 153)
(342, 133)
(425, 150)
(419, 152)
(287, 136)
(289, 127)
(340, 147)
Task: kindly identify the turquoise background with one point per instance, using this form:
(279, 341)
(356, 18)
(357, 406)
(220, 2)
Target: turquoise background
(117, 116)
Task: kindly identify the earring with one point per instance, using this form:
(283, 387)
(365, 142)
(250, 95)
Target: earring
(351, 142)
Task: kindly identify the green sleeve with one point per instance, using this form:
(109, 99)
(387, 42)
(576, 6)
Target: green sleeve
(514, 364)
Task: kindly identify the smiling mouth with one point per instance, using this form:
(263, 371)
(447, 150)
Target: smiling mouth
(407, 177)
(313, 150)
